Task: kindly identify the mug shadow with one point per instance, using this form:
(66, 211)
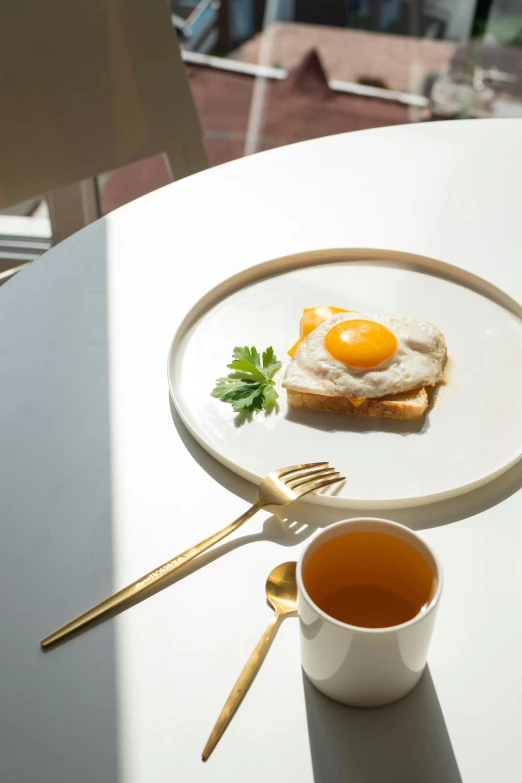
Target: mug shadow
(401, 743)
(443, 512)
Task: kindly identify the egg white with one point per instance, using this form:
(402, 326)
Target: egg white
(418, 361)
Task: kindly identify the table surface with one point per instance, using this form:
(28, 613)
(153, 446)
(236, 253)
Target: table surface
(99, 482)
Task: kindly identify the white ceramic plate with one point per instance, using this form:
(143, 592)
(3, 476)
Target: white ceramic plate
(472, 433)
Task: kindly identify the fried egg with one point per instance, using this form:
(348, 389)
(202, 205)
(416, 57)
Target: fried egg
(361, 355)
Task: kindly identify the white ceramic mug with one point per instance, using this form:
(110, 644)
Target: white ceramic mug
(365, 667)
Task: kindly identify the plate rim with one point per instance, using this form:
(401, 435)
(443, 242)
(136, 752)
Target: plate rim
(308, 258)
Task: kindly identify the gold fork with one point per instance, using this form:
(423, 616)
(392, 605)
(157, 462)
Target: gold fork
(277, 489)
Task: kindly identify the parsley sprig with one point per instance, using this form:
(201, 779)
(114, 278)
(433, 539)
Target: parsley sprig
(250, 386)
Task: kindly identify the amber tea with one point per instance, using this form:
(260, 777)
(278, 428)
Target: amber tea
(369, 579)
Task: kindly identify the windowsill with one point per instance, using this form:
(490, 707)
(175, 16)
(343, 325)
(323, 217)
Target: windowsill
(22, 239)
(19, 227)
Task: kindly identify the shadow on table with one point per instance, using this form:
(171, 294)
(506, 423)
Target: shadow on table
(280, 531)
(418, 518)
(284, 532)
(59, 711)
(405, 742)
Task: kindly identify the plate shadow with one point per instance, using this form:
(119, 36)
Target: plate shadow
(443, 512)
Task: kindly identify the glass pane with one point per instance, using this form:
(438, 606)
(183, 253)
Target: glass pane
(265, 73)
(289, 70)
(122, 185)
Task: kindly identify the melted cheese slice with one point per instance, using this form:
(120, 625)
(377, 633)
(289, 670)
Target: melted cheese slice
(312, 318)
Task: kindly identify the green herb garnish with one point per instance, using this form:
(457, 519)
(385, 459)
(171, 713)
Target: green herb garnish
(250, 387)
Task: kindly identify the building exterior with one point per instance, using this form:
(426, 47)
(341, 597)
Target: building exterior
(394, 61)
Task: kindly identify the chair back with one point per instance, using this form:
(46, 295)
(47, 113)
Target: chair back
(89, 87)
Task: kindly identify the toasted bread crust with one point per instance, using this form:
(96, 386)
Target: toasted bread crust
(405, 406)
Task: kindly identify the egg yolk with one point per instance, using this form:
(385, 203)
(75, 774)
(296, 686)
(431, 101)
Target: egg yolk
(360, 344)
(312, 318)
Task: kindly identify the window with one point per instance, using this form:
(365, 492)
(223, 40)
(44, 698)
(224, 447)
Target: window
(265, 73)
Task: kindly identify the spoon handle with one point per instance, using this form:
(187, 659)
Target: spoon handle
(243, 683)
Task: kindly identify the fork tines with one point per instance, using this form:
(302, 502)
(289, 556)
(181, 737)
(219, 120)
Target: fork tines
(309, 476)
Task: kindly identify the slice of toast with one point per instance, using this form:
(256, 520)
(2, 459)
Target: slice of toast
(406, 405)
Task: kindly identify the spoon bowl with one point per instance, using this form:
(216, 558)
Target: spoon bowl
(281, 588)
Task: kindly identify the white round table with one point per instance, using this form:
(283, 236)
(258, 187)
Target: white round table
(99, 483)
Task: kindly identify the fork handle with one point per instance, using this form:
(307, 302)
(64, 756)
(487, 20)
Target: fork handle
(243, 683)
(123, 597)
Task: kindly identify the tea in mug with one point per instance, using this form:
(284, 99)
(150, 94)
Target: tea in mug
(370, 580)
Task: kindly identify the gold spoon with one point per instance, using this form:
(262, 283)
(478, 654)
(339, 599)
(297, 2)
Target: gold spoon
(281, 593)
